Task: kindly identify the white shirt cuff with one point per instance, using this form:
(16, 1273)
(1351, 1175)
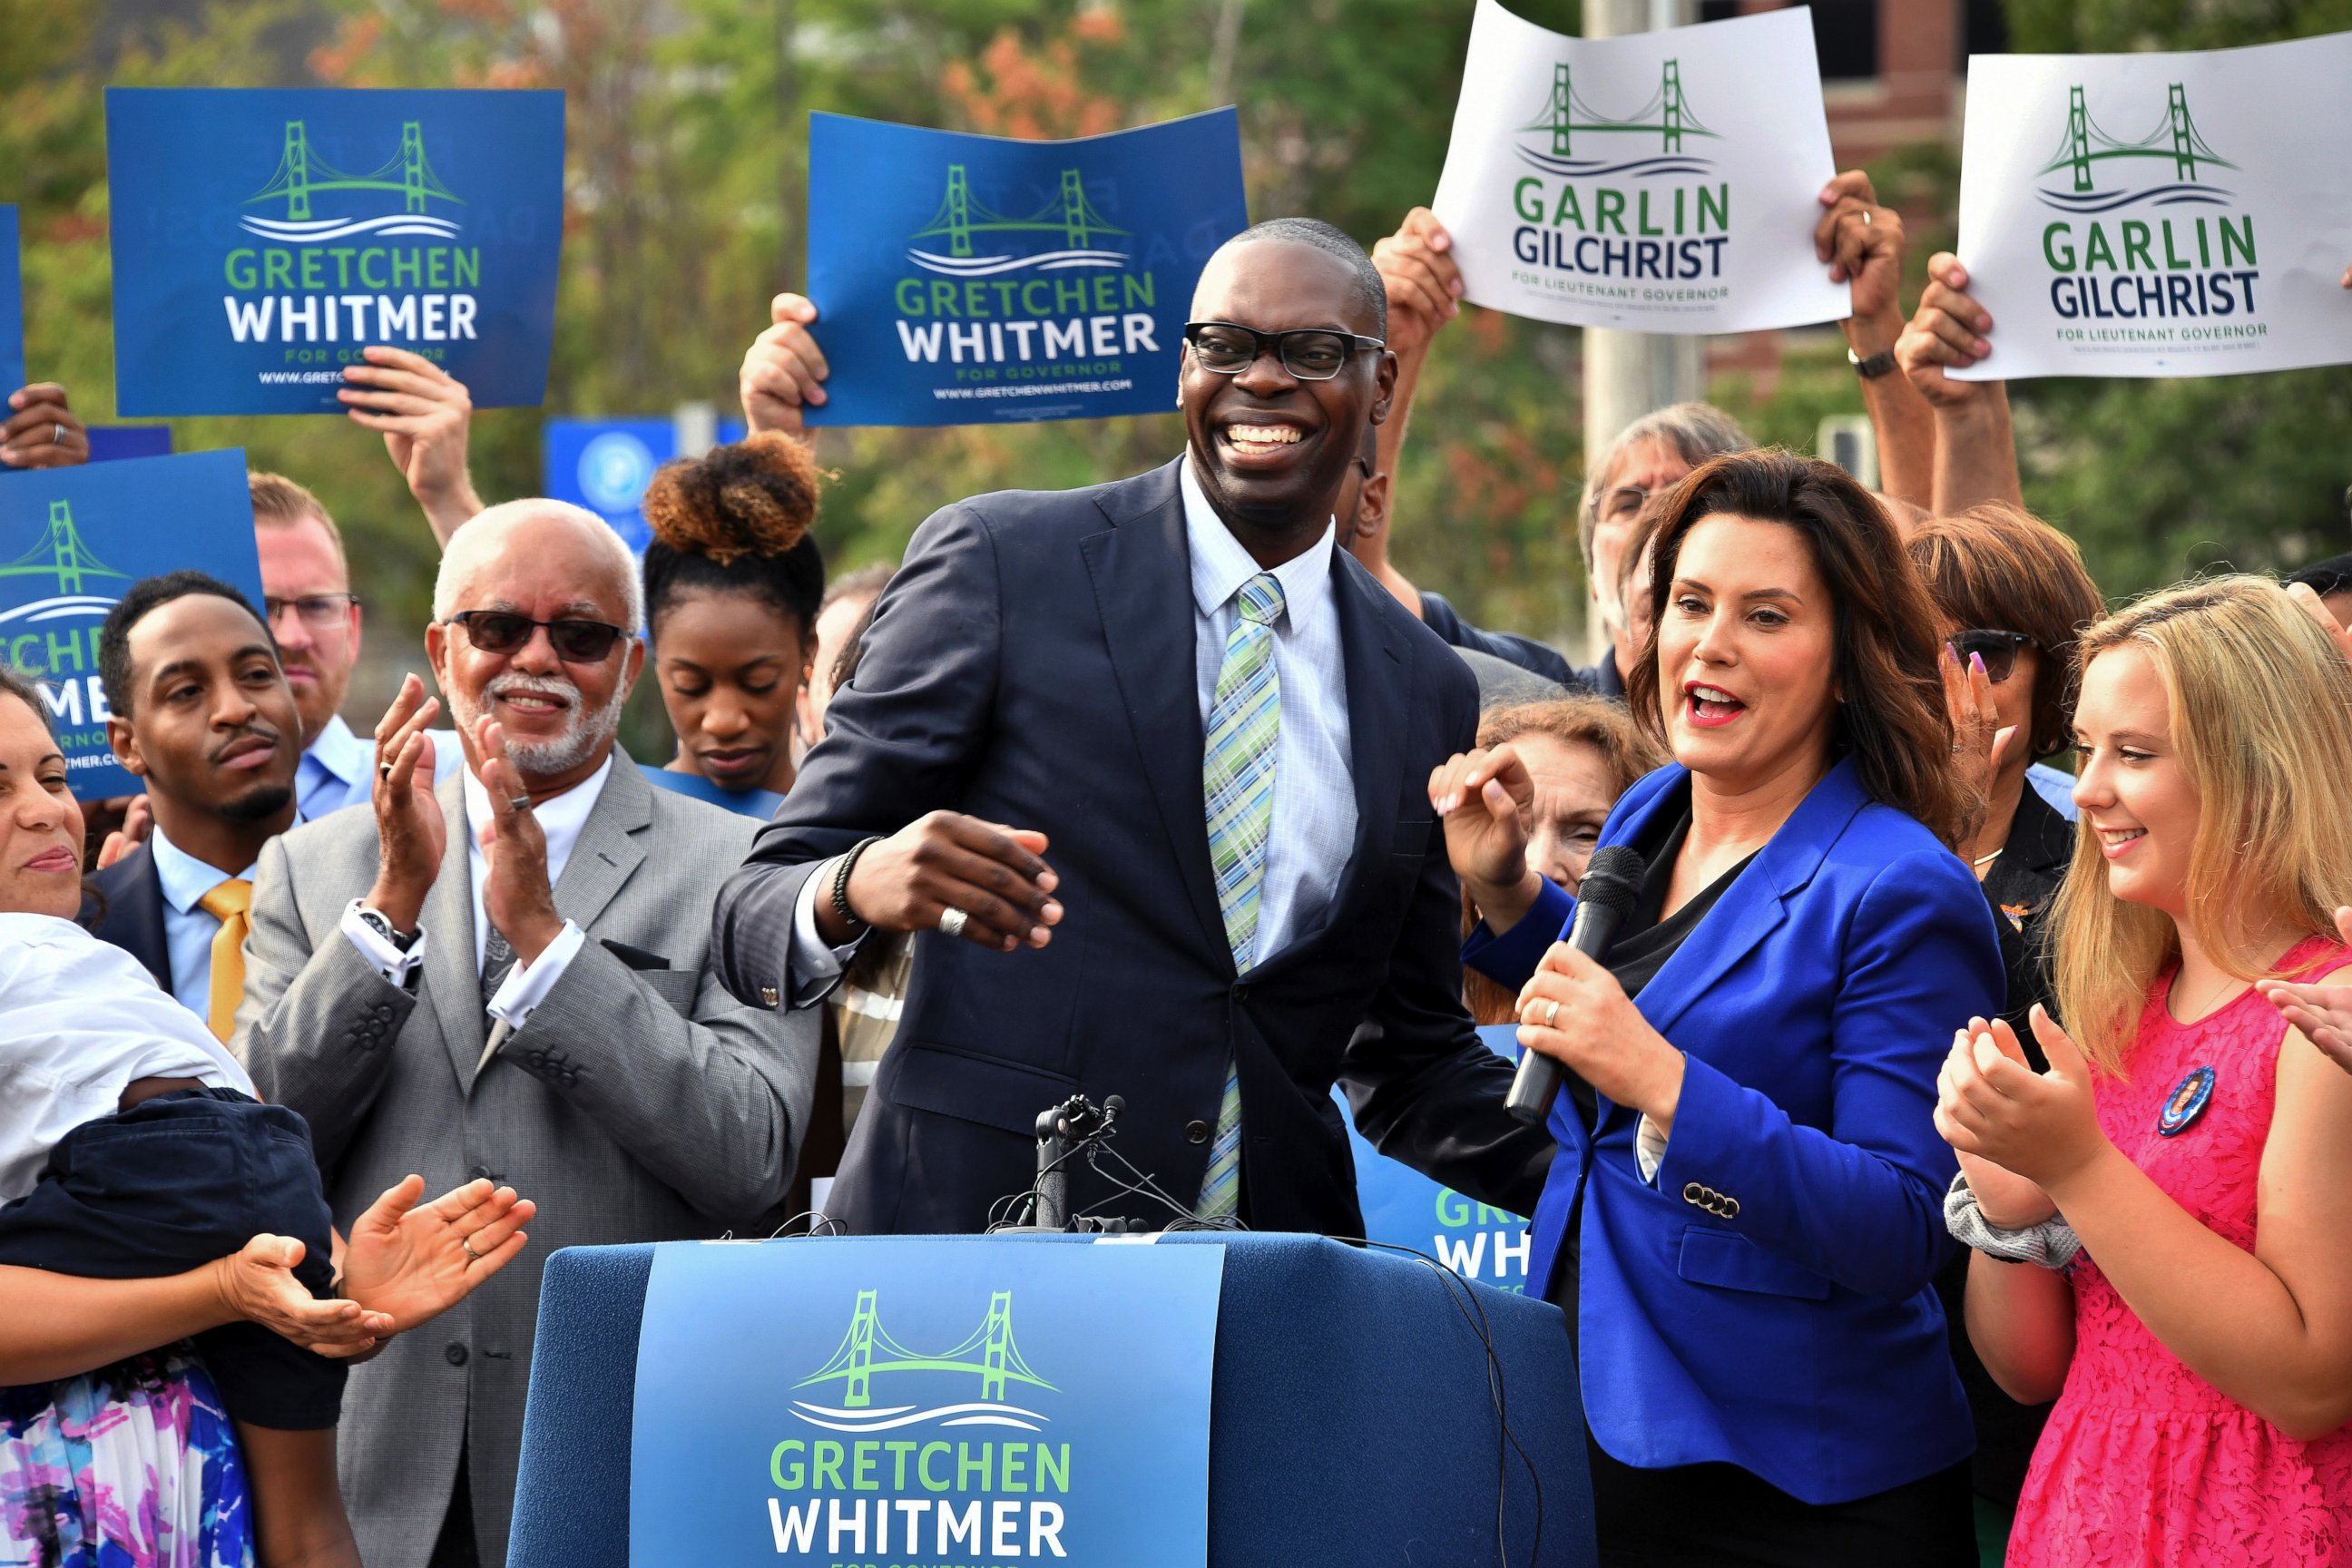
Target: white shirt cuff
(1649, 1150)
(813, 962)
(527, 984)
(389, 960)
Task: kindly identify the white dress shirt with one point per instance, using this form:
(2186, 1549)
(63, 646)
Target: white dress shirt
(80, 1021)
(1314, 829)
(188, 931)
(561, 819)
(335, 770)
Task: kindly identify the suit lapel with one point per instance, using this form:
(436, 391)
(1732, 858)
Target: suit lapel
(1143, 573)
(452, 979)
(607, 851)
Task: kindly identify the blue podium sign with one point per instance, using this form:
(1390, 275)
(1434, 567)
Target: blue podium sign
(929, 1403)
(1405, 1208)
(970, 280)
(263, 237)
(12, 306)
(605, 465)
(72, 540)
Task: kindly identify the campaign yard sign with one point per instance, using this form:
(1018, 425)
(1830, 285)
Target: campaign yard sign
(12, 307)
(2160, 215)
(1665, 182)
(262, 238)
(924, 1402)
(969, 280)
(606, 465)
(72, 540)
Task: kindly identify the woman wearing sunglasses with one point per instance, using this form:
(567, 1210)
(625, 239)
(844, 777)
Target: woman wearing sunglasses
(2012, 594)
(733, 582)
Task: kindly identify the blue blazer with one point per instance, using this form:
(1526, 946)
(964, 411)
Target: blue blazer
(1799, 1337)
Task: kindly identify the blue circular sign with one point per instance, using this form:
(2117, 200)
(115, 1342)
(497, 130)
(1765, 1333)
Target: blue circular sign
(615, 469)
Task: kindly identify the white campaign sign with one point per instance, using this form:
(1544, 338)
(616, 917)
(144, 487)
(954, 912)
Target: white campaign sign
(1665, 182)
(2160, 215)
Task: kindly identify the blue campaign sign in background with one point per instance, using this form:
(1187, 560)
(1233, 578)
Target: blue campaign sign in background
(967, 279)
(924, 1401)
(263, 237)
(12, 306)
(1405, 1208)
(605, 465)
(113, 443)
(72, 540)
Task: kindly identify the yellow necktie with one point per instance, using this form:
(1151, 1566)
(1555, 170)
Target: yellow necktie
(227, 904)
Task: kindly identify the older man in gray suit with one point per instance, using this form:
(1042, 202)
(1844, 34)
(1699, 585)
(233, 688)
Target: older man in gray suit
(511, 978)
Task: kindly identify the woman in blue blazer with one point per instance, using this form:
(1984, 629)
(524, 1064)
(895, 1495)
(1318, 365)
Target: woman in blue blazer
(1746, 1216)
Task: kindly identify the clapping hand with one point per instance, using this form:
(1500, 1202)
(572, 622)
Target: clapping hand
(518, 895)
(409, 828)
(784, 369)
(2006, 1200)
(2044, 1126)
(407, 1263)
(135, 814)
(2322, 1011)
(257, 1284)
(1979, 740)
(1484, 798)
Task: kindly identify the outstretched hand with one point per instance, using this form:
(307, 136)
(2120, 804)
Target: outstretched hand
(408, 1263)
(2321, 1010)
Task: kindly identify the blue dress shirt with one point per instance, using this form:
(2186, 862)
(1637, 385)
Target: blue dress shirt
(188, 931)
(334, 771)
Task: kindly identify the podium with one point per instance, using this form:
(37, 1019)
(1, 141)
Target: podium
(1351, 1417)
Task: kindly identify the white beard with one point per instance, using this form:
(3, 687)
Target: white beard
(583, 736)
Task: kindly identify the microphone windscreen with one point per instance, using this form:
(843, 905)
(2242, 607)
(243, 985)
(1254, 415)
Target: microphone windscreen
(1114, 1105)
(1613, 879)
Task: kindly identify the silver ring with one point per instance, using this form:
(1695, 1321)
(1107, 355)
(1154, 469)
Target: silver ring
(471, 1256)
(952, 921)
(57, 434)
(1551, 1014)
(1865, 217)
(518, 801)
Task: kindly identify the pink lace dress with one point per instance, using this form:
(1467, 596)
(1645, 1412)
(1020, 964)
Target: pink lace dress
(2144, 1462)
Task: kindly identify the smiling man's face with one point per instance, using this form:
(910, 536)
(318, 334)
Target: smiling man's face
(1271, 451)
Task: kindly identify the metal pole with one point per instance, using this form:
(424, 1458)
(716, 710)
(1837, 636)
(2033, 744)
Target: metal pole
(1627, 375)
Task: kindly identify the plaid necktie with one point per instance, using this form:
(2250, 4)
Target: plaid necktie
(1237, 784)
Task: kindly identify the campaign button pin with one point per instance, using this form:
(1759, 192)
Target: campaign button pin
(2188, 1101)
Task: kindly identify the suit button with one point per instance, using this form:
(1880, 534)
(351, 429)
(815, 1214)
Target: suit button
(482, 1173)
(1196, 1133)
(1694, 1194)
(456, 1355)
(1241, 993)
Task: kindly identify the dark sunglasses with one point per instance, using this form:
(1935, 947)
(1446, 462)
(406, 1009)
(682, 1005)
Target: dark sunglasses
(503, 631)
(1998, 650)
(1308, 354)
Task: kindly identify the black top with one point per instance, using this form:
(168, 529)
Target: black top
(1645, 941)
(2021, 887)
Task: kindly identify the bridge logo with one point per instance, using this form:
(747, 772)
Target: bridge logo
(2089, 189)
(303, 173)
(61, 556)
(1067, 214)
(1548, 141)
(867, 1352)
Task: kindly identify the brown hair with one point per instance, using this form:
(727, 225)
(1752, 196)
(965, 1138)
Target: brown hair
(1580, 720)
(279, 502)
(1998, 567)
(1891, 717)
(16, 684)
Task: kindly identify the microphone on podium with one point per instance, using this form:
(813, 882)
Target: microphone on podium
(1612, 885)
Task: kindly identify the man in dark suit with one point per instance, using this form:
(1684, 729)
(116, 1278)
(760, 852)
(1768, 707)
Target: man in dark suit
(204, 718)
(1210, 732)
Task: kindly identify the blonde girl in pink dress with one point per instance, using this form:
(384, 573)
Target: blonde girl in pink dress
(2199, 1345)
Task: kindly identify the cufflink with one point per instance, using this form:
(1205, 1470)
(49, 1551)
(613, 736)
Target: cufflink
(769, 998)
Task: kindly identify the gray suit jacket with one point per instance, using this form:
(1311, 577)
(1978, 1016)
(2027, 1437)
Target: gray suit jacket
(636, 1104)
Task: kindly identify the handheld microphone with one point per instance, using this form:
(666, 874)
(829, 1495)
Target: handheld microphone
(1612, 886)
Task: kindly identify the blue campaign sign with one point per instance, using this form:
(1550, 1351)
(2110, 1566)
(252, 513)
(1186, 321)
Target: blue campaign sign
(12, 306)
(605, 465)
(967, 280)
(113, 443)
(1405, 1208)
(924, 1401)
(72, 540)
(263, 237)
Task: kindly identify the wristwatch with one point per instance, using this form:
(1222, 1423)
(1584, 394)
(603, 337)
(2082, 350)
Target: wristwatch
(379, 922)
(1873, 367)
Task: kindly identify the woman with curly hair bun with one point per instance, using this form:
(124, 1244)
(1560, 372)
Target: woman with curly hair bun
(732, 585)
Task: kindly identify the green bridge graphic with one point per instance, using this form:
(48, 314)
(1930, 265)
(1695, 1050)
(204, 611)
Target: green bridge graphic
(302, 172)
(61, 554)
(1565, 113)
(988, 1351)
(1068, 213)
(2176, 138)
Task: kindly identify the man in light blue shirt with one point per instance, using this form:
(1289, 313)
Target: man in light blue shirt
(204, 716)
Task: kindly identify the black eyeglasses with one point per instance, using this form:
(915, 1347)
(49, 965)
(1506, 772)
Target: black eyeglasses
(1310, 353)
(574, 641)
(1998, 650)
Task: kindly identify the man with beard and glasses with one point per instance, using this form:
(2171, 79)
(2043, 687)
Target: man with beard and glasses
(202, 717)
(509, 975)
